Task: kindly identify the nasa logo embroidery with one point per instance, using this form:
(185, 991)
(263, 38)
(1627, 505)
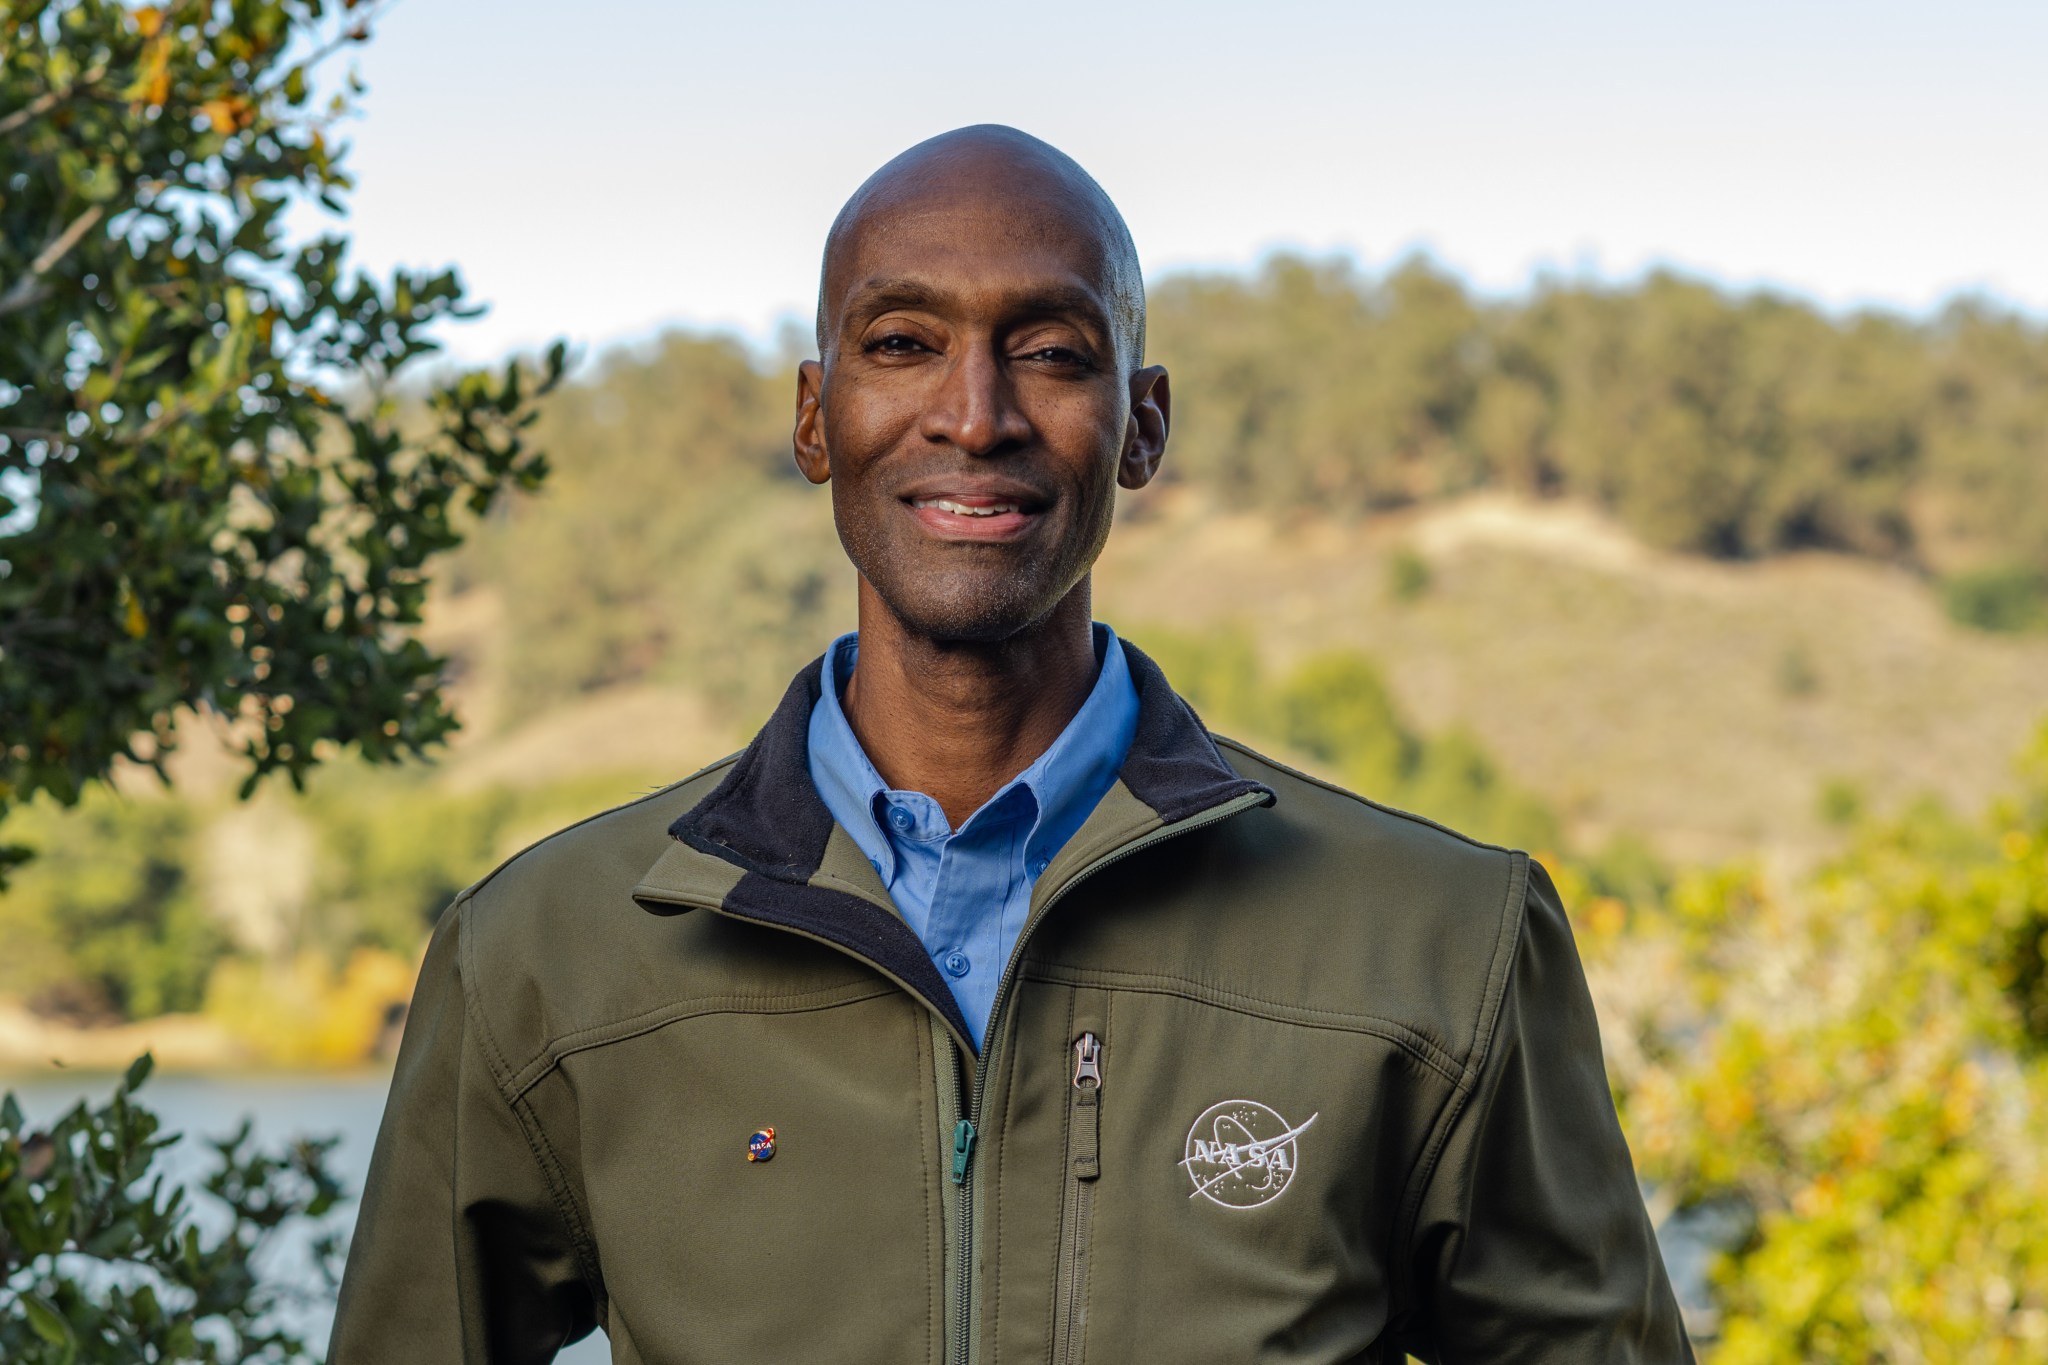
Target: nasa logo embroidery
(761, 1146)
(1242, 1154)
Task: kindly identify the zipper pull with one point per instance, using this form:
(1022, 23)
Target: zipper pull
(963, 1148)
(1087, 1060)
(1086, 1133)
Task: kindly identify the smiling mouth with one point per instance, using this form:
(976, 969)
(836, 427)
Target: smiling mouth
(987, 518)
(961, 509)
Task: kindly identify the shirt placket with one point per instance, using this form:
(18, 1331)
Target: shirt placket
(970, 902)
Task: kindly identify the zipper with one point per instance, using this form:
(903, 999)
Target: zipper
(960, 1350)
(1084, 1165)
(963, 1210)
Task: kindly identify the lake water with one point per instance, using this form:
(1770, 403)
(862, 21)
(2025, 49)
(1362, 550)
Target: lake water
(286, 1107)
(282, 1108)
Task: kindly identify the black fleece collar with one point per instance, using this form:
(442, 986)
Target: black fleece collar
(767, 816)
(767, 819)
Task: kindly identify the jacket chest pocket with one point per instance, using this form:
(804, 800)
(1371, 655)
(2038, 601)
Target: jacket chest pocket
(1218, 1186)
(1082, 1169)
(724, 1241)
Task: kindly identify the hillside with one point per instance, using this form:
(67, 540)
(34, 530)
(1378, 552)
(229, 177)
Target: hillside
(1702, 704)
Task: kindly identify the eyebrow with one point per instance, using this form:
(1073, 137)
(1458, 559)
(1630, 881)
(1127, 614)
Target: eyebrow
(874, 296)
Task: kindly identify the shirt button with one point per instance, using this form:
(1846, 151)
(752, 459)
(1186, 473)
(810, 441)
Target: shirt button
(1038, 865)
(899, 820)
(957, 964)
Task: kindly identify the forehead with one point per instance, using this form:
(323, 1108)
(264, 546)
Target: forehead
(978, 246)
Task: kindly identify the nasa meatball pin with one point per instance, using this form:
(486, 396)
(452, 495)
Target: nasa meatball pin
(761, 1146)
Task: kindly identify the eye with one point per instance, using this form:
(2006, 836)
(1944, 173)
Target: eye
(1063, 357)
(893, 343)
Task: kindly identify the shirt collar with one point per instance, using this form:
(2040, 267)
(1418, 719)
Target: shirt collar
(1062, 785)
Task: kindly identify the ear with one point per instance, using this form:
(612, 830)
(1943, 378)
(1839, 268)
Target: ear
(1145, 434)
(808, 439)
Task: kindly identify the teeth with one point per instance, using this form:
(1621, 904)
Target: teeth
(961, 509)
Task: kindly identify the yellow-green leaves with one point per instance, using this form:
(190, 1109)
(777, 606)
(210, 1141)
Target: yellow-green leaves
(1849, 1062)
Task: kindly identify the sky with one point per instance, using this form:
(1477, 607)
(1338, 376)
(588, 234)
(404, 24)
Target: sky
(604, 170)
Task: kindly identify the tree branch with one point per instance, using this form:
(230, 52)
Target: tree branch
(26, 290)
(50, 99)
(23, 435)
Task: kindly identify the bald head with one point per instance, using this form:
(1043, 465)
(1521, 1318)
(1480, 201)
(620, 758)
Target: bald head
(991, 181)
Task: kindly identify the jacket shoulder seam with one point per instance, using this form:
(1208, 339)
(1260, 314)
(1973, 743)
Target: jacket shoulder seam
(555, 1177)
(551, 1053)
(1366, 801)
(546, 1165)
(1409, 1041)
(1513, 912)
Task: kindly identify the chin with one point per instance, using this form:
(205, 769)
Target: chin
(971, 609)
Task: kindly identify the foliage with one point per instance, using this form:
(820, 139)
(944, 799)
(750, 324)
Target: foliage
(393, 849)
(109, 923)
(393, 854)
(1998, 599)
(1408, 575)
(105, 1262)
(114, 920)
(189, 514)
(1855, 1068)
(1735, 426)
(308, 1012)
(718, 567)
(1334, 713)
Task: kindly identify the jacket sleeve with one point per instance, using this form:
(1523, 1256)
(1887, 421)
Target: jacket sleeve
(1531, 1243)
(461, 1252)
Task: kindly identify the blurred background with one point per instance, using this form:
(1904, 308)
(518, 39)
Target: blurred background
(1616, 431)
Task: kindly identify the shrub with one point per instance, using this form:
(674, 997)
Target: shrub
(1850, 1069)
(103, 1260)
(2004, 600)
(107, 923)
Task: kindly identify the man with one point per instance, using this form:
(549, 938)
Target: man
(986, 1007)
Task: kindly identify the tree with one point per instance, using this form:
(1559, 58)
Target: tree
(1850, 1076)
(101, 1261)
(207, 496)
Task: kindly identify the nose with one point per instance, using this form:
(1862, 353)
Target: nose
(975, 407)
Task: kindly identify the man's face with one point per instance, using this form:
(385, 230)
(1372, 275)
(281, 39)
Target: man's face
(974, 412)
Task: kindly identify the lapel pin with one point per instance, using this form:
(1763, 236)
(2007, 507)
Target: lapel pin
(761, 1146)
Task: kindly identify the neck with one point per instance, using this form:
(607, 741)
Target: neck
(958, 719)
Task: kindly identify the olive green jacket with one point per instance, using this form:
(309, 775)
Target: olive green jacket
(1275, 1074)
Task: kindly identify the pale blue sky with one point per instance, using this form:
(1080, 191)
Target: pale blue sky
(602, 169)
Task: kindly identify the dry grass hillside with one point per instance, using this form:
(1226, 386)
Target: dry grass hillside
(1701, 703)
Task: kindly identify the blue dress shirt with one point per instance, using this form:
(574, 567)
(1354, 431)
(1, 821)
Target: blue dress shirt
(967, 892)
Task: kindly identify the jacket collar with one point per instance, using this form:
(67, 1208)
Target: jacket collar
(769, 830)
(766, 815)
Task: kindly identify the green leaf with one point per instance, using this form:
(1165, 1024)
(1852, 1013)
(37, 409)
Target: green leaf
(138, 1072)
(112, 1241)
(46, 1321)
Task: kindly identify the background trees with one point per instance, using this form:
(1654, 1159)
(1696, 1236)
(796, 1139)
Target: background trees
(1724, 426)
(206, 498)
